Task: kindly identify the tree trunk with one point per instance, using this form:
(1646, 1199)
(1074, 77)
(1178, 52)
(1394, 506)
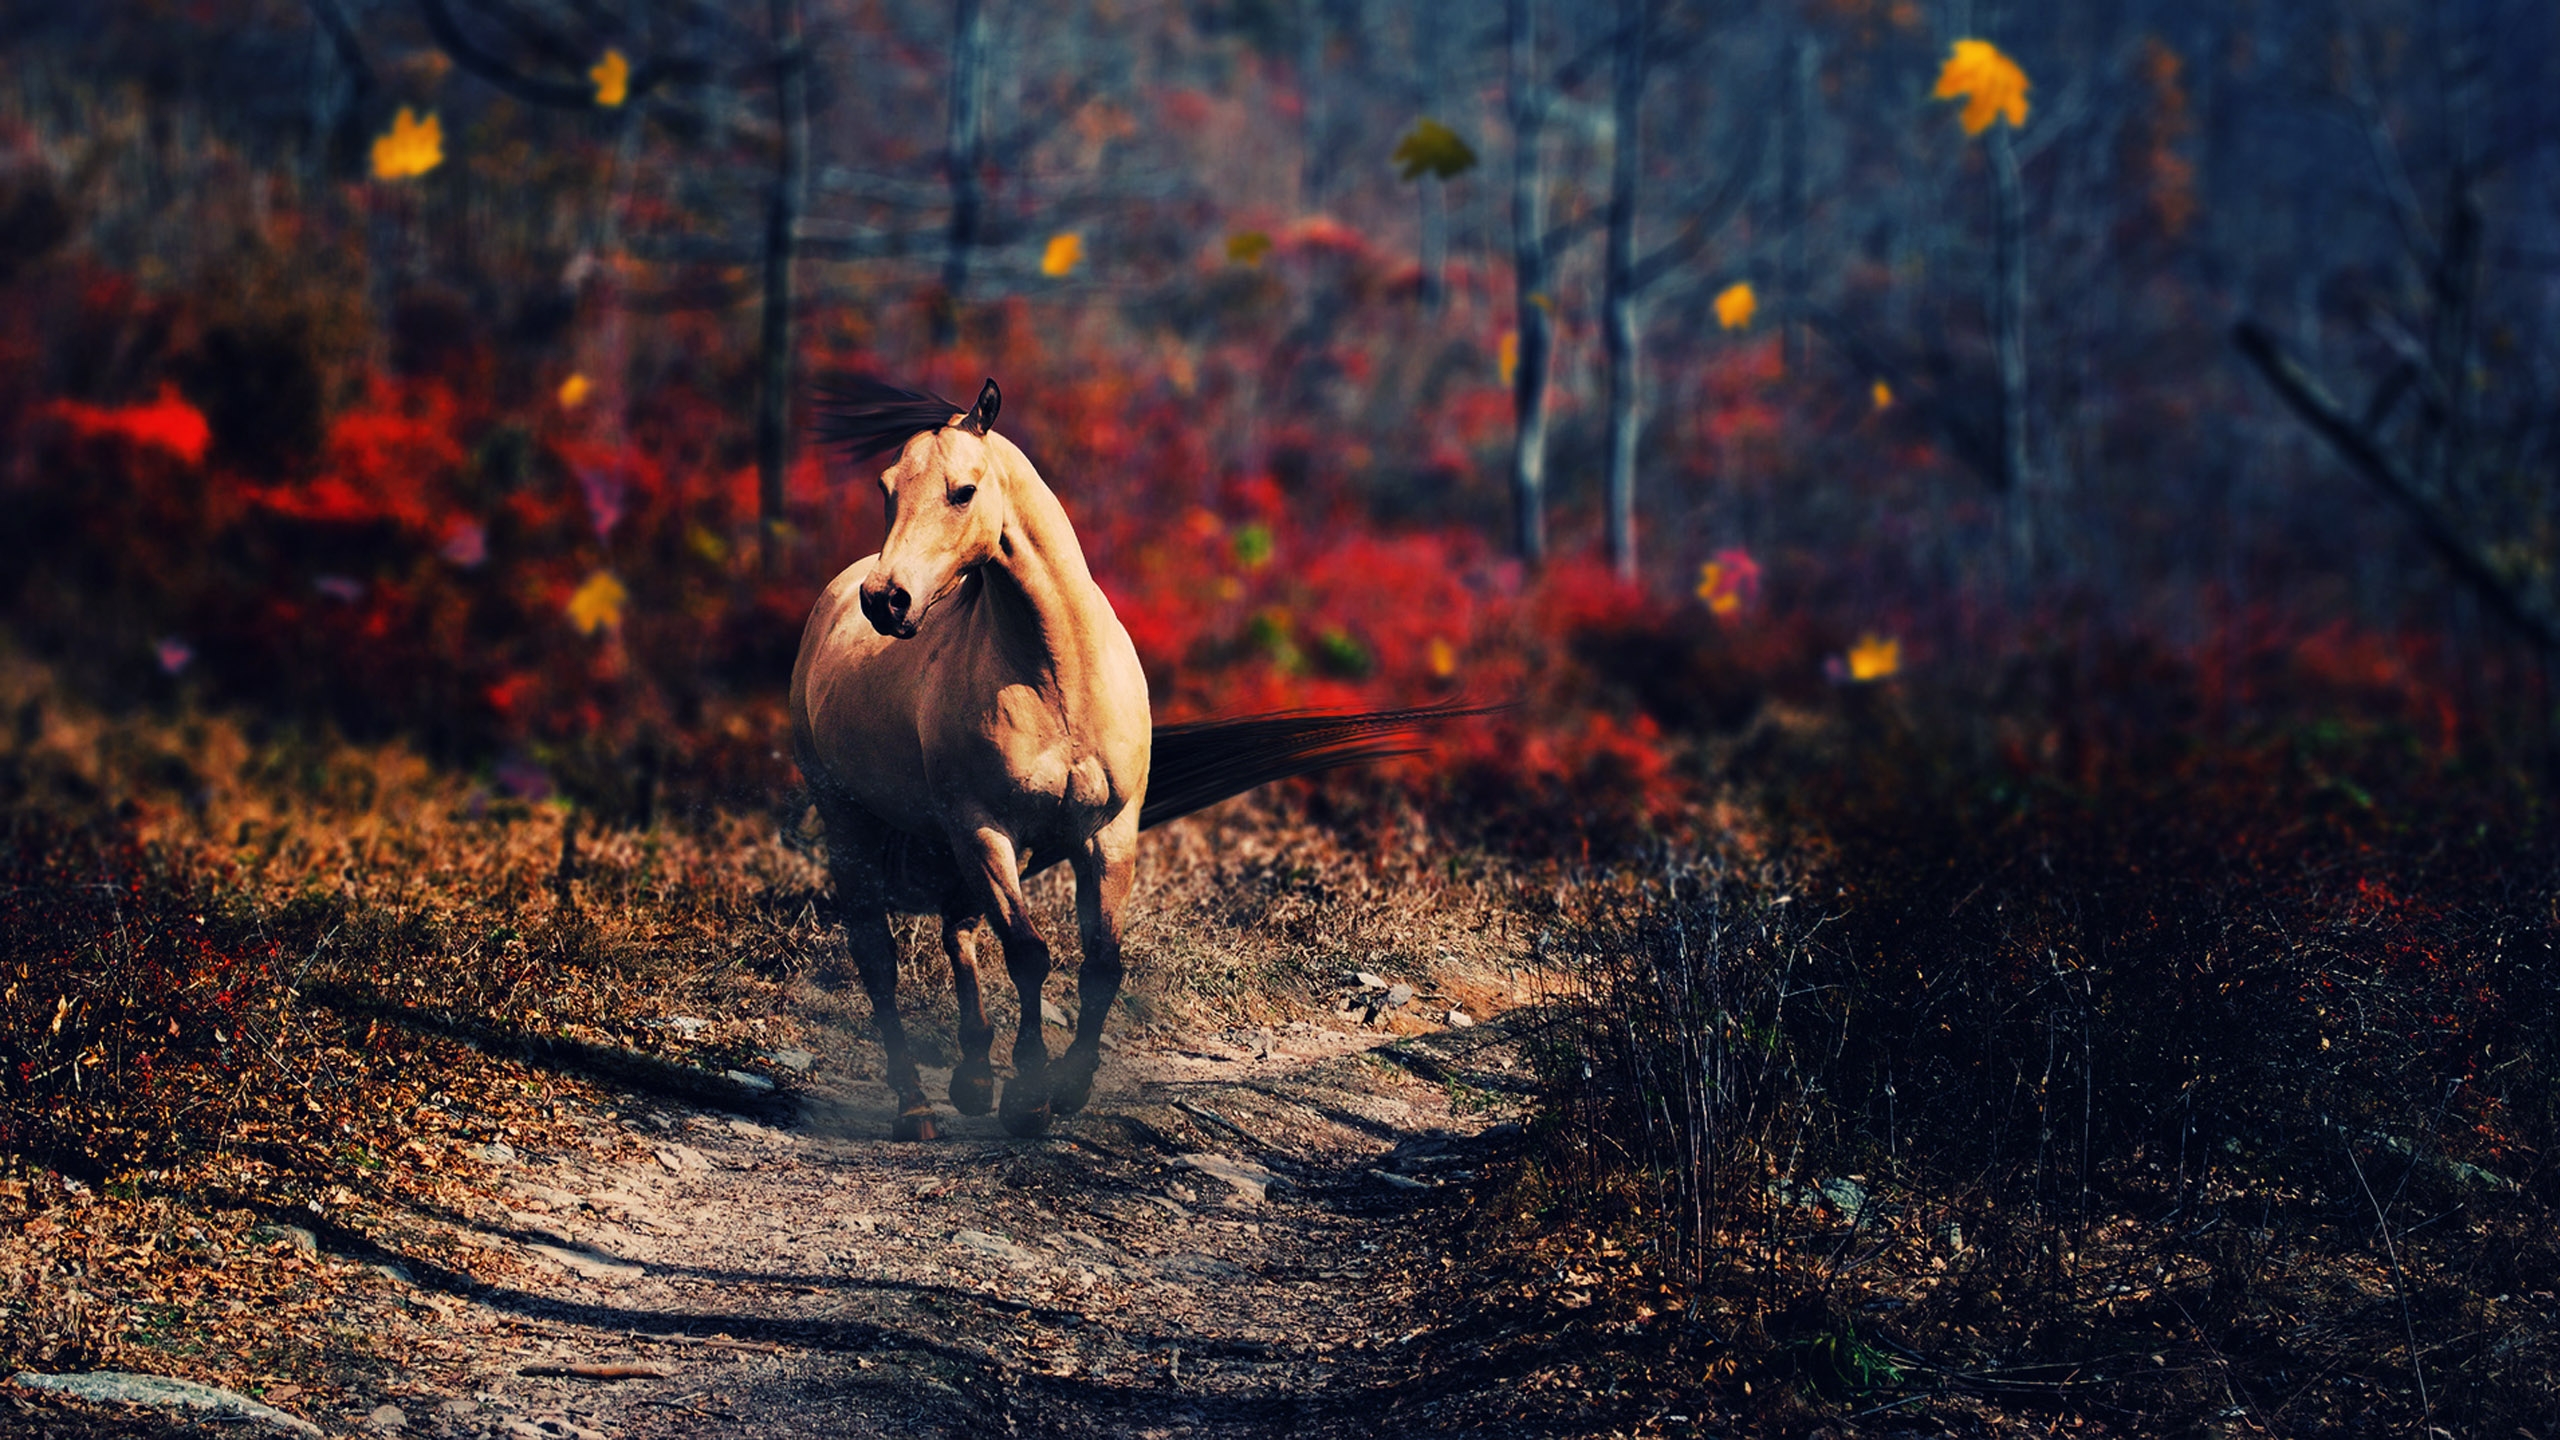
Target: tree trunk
(961, 158)
(1529, 278)
(1311, 174)
(1791, 191)
(2009, 337)
(1626, 401)
(1434, 258)
(782, 223)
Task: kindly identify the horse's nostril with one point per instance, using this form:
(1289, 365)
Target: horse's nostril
(896, 600)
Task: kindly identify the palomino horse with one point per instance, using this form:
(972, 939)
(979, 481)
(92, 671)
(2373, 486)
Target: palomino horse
(967, 710)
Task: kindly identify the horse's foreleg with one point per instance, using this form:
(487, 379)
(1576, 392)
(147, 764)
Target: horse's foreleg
(1105, 869)
(862, 903)
(973, 1082)
(995, 867)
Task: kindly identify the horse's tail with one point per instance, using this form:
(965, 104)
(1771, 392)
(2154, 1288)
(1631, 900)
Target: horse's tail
(1201, 762)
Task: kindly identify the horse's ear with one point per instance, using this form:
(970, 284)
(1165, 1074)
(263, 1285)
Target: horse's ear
(982, 416)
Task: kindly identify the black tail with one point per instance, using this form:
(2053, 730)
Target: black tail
(1199, 763)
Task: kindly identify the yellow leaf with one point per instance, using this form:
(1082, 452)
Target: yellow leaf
(411, 148)
(1991, 84)
(1442, 657)
(1247, 247)
(1874, 657)
(1431, 148)
(598, 603)
(1735, 305)
(1728, 582)
(1063, 253)
(612, 75)
(1506, 356)
(573, 392)
(1882, 394)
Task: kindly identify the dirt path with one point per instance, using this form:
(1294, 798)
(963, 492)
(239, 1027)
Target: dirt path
(1225, 1243)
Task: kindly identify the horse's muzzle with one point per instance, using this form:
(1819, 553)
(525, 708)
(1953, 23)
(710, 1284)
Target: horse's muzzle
(890, 609)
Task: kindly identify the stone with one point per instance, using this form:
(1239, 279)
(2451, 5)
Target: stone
(1399, 996)
(1371, 982)
(1460, 1020)
(1250, 1181)
(795, 1061)
(387, 1417)
(682, 1159)
(301, 1239)
(591, 1264)
(164, 1393)
(1400, 1182)
(497, 1152)
(749, 1079)
(1050, 1012)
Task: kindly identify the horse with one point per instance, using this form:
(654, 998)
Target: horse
(967, 711)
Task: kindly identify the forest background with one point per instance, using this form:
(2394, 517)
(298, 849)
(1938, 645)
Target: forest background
(2073, 483)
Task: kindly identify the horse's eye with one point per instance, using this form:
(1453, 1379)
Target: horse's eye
(963, 496)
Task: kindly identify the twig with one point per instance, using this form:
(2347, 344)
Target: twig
(598, 1370)
(2399, 1282)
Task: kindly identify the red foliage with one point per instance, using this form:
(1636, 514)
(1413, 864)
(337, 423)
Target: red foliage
(167, 423)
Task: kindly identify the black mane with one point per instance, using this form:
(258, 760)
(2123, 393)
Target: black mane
(866, 416)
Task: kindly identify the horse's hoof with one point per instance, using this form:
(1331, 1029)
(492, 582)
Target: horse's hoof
(973, 1088)
(914, 1125)
(1071, 1081)
(1025, 1111)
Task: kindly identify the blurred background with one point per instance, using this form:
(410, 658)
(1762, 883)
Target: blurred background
(443, 368)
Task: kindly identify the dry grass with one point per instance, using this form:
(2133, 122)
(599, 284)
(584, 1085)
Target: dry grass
(260, 978)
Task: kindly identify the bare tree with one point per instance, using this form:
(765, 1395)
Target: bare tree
(1529, 257)
(782, 225)
(962, 155)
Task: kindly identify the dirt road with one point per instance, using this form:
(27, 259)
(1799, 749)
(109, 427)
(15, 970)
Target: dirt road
(1227, 1242)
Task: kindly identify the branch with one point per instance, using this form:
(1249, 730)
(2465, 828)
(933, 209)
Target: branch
(558, 94)
(332, 15)
(2358, 447)
(1969, 444)
(1711, 216)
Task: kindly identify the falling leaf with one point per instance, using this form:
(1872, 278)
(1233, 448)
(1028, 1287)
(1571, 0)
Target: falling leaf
(1065, 249)
(598, 603)
(612, 75)
(1441, 657)
(411, 148)
(1736, 304)
(466, 544)
(1991, 84)
(1247, 247)
(1882, 394)
(1506, 356)
(174, 655)
(1431, 148)
(573, 391)
(1874, 657)
(1728, 582)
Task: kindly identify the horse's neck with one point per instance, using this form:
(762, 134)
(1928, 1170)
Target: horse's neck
(1050, 607)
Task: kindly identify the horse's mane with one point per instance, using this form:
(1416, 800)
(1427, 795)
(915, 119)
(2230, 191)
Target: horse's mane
(867, 416)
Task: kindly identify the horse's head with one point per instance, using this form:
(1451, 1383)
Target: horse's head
(946, 502)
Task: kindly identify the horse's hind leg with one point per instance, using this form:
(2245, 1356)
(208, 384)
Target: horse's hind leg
(862, 902)
(1105, 869)
(994, 867)
(973, 1082)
